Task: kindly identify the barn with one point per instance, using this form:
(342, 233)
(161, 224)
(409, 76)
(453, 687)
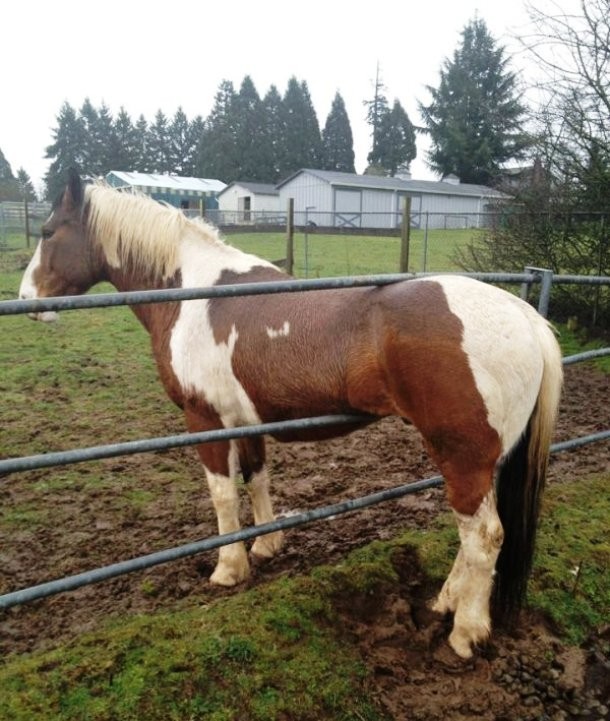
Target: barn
(182, 192)
(347, 200)
(245, 202)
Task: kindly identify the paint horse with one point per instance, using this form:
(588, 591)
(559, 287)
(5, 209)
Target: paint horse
(476, 370)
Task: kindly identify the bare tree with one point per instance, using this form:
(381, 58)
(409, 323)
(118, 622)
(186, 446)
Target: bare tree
(572, 52)
(560, 216)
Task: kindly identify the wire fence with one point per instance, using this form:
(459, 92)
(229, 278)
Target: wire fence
(544, 277)
(361, 242)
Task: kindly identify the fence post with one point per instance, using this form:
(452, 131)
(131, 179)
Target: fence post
(405, 235)
(600, 266)
(202, 208)
(425, 260)
(290, 236)
(546, 282)
(27, 221)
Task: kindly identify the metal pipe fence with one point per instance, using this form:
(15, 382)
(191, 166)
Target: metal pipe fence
(97, 452)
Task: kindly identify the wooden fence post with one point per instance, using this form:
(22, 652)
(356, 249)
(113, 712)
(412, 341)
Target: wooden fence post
(405, 236)
(290, 236)
(27, 221)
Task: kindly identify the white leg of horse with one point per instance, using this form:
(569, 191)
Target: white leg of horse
(258, 488)
(468, 587)
(446, 601)
(233, 566)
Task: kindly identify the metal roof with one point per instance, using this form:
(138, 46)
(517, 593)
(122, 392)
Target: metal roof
(256, 188)
(374, 182)
(169, 183)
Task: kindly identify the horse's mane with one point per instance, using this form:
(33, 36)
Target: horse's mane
(134, 230)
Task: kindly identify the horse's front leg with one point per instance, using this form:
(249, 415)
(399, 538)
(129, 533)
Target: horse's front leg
(256, 477)
(220, 461)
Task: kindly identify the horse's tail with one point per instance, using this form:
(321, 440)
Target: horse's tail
(520, 483)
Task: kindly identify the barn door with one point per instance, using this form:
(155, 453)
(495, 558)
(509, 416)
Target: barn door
(348, 204)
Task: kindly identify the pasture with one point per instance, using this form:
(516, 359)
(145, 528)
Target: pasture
(318, 255)
(334, 628)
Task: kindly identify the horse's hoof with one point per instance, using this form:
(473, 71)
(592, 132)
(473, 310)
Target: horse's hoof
(463, 639)
(268, 546)
(460, 645)
(228, 576)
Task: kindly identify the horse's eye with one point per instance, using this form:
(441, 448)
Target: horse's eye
(46, 234)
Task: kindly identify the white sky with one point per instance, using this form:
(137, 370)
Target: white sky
(146, 55)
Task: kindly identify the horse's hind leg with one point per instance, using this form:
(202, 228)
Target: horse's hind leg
(467, 590)
(256, 477)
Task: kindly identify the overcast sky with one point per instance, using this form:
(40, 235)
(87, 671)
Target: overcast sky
(146, 55)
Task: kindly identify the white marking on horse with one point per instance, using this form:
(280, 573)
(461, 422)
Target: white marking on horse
(467, 588)
(232, 564)
(200, 364)
(282, 332)
(508, 382)
(29, 291)
(258, 488)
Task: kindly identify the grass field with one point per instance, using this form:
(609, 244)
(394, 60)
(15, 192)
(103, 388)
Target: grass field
(317, 255)
(274, 652)
(330, 255)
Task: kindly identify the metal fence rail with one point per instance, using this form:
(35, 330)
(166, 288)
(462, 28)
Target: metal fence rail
(112, 450)
(105, 300)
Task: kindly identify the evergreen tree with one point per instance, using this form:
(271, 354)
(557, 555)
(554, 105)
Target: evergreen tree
(475, 117)
(253, 153)
(274, 133)
(302, 139)
(377, 109)
(26, 188)
(395, 145)
(159, 145)
(337, 139)
(196, 129)
(143, 162)
(123, 152)
(97, 138)
(9, 187)
(181, 143)
(66, 151)
(106, 140)
(217, 156)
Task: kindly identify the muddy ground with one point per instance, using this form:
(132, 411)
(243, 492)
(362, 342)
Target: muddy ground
(416, 677)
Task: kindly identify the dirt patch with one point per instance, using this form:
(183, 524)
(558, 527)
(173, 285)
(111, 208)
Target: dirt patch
(526, 675)
(92, 525)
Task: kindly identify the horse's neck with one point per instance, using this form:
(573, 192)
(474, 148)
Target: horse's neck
(125, 278)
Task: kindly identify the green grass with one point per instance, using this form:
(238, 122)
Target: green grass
(573, 342)
(319, 255)
(571, 577)
(270, 653)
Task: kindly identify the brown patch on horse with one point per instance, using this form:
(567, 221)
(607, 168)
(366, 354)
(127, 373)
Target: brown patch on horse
(428, 377)
(299, 371)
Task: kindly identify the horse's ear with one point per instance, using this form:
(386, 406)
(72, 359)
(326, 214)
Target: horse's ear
(73, 194)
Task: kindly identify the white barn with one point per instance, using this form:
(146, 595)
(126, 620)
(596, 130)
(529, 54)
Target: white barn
(245, 202)
(329, 198)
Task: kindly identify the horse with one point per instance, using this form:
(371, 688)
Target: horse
(475, 369)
